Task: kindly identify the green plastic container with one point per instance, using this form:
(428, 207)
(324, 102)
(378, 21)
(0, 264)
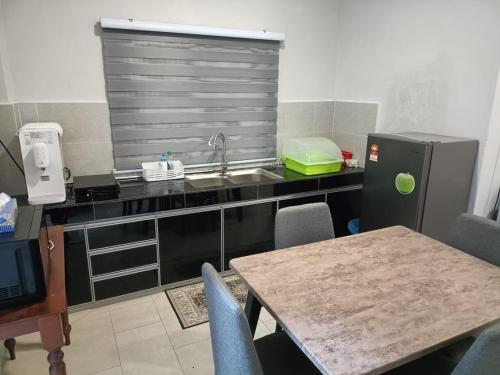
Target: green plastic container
(312, 169)
(312, 156)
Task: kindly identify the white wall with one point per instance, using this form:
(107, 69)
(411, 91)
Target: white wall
(4, 97)
(431, 64)
(55, 55)
(489, 174)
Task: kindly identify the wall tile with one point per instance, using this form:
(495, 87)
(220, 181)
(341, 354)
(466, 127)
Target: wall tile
(356, 143)
(88, 158)
(17, 116)
(7, 123)
(323, 117)
(298, 117)
(11, 181)
(28, 113)
(303, 119)
(82, 122)
(357, 118)
(280, 121)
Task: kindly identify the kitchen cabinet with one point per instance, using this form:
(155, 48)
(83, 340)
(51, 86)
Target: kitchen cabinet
(248, 230)
(119, 247)
(123, 259)
(76, 267)
(117, 234)
(130, 283)
(187, 241)
(344, 206)
(304, 200)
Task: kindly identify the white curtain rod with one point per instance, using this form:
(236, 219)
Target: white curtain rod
(131, 24)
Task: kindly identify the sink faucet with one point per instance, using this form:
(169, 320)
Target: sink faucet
(212, 142)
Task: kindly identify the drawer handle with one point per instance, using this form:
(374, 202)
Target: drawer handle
(51, 246)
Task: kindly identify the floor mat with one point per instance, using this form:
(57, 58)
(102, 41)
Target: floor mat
(189, 301)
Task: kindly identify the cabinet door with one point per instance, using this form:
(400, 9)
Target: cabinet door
(344, 206)
(186, 242)
(76, 266)
(248, 230)
(304, 200)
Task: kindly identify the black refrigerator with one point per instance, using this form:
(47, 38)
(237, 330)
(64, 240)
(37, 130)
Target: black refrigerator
(418, 180)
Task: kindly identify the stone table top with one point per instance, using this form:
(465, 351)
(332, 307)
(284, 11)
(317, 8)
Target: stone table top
(368, 303)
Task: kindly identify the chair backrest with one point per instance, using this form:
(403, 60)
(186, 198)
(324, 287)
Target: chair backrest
(300, 225)
(477, 236)
(232, 342)
(483, 357)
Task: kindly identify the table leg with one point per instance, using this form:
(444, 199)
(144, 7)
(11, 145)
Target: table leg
(66, 328)
(52, 334)
(252, 311)
(10, 344)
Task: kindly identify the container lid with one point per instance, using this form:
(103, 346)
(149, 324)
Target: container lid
(41, 126)
(312, 150)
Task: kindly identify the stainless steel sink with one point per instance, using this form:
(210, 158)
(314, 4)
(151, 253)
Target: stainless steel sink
(255, 175)
(206, 180)
(238, 176)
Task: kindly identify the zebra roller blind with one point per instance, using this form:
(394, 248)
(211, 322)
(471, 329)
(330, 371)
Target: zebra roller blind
(172, 92)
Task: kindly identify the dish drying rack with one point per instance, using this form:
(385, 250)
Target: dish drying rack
(161, 171)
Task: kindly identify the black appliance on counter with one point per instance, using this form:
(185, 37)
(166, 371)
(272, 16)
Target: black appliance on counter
(95, 188)
(22, 276)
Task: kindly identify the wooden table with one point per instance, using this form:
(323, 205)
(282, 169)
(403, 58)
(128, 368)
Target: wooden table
(368, 303)
(50, 317)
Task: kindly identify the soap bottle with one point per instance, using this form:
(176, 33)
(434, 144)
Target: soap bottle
(163, 160)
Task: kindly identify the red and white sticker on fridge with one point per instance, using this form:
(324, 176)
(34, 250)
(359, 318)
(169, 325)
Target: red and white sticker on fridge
(374, 152)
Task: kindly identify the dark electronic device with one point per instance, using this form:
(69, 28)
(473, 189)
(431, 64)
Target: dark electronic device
(22, 276)
(95, 188)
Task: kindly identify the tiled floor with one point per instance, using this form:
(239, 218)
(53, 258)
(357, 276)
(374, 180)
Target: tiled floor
(137, 337)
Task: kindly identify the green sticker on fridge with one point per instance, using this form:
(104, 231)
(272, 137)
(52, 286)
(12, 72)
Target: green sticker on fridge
(405, 183)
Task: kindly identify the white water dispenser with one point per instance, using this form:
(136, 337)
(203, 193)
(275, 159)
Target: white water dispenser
(43, 163)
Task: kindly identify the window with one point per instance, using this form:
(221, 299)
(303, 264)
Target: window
(173, 91)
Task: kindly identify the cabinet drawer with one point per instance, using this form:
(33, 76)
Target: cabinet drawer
(125, 284)
(119, 234)
(123, 259)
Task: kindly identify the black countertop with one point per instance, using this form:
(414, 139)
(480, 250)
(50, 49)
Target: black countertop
(140, 197)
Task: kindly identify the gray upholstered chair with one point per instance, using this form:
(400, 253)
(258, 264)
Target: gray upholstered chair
(477, 236)
(483, 358)
(234, 350)
(300, 225)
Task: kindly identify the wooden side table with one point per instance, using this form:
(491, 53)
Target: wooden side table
(49, 317)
